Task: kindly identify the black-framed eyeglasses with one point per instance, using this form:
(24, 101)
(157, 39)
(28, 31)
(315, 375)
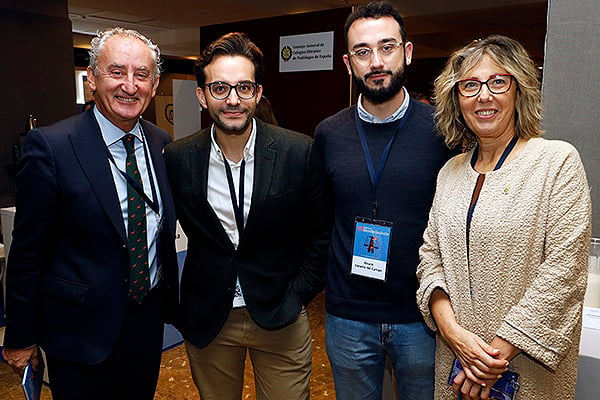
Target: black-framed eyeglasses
(386, 51)
(497, 84)
(221, 90)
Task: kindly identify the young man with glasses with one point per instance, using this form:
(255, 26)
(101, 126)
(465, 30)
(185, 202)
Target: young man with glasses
(381, 157)
(250, 198)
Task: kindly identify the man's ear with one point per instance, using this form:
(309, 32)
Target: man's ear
(201, 97)
(408, 52)
(91, 79)
(347, 62)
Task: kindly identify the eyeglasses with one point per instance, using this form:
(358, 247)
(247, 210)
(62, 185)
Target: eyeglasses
(222, 90)
(386, 51)
(497, 84)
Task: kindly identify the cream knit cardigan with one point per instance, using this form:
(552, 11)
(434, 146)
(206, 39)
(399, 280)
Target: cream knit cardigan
(524, 276)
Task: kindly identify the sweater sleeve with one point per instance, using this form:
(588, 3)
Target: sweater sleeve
(546, 320)
(430, 270)
(312, 276)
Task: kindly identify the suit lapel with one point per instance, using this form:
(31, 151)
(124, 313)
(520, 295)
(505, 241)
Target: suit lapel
(199, 160)
(156, 145)
(264, 164)
(91, 151)
(198, 164)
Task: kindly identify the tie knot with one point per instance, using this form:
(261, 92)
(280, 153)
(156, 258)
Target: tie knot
(129, 143)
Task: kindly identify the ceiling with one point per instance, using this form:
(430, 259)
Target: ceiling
(435, 26)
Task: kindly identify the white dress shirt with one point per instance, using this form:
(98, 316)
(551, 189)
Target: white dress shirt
(219, 196)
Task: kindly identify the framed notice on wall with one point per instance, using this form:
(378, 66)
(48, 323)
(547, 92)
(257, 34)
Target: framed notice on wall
(308, 52)
(82, 89)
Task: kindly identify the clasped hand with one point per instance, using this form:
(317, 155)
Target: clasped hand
(19, 358)
(483, 364)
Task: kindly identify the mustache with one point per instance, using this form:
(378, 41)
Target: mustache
(237, 109)
(378, 72)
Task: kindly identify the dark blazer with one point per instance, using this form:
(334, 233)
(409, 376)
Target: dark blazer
(68, 267)
(281, 256)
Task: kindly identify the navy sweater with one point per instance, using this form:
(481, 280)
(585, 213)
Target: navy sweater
(404, 197)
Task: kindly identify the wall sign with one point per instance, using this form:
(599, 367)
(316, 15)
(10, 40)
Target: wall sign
(309, 52)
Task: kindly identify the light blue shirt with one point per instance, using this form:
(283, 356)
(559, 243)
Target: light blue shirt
(112, 136)
(396, 115)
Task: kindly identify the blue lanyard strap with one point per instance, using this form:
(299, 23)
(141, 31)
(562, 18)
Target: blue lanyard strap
(375, 176)
(503, 157)
(238, 204)
(481, 177)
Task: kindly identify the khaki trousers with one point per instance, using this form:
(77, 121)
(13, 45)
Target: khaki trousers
(281, 360)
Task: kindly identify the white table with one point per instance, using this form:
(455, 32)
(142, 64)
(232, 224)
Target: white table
(588, 377)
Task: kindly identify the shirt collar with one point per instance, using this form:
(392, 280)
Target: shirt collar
(248, 149)
(110, 133)
(396, 115)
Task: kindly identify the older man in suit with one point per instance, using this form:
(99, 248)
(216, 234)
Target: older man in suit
(250, 198)
(92, 266)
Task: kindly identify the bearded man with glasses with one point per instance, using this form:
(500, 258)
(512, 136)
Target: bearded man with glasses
(250, 198)
(381, 157)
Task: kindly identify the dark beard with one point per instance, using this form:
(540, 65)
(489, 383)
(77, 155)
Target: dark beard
(381, 94)
(228, 130)
(231, 130)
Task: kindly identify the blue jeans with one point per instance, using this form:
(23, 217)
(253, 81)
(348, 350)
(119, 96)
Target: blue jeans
(357, 352)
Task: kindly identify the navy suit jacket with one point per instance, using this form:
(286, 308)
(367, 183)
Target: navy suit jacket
(68, 266)
(282, 254)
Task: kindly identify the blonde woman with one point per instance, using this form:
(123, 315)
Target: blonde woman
(504, 260)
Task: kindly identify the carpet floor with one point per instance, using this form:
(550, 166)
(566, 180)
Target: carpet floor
(175, 380)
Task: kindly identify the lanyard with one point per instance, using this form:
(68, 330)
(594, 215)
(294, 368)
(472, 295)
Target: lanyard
(475, 195)
(375, 176)
(511, 145)
(135, 185)
(481, 177)
(238, 204)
